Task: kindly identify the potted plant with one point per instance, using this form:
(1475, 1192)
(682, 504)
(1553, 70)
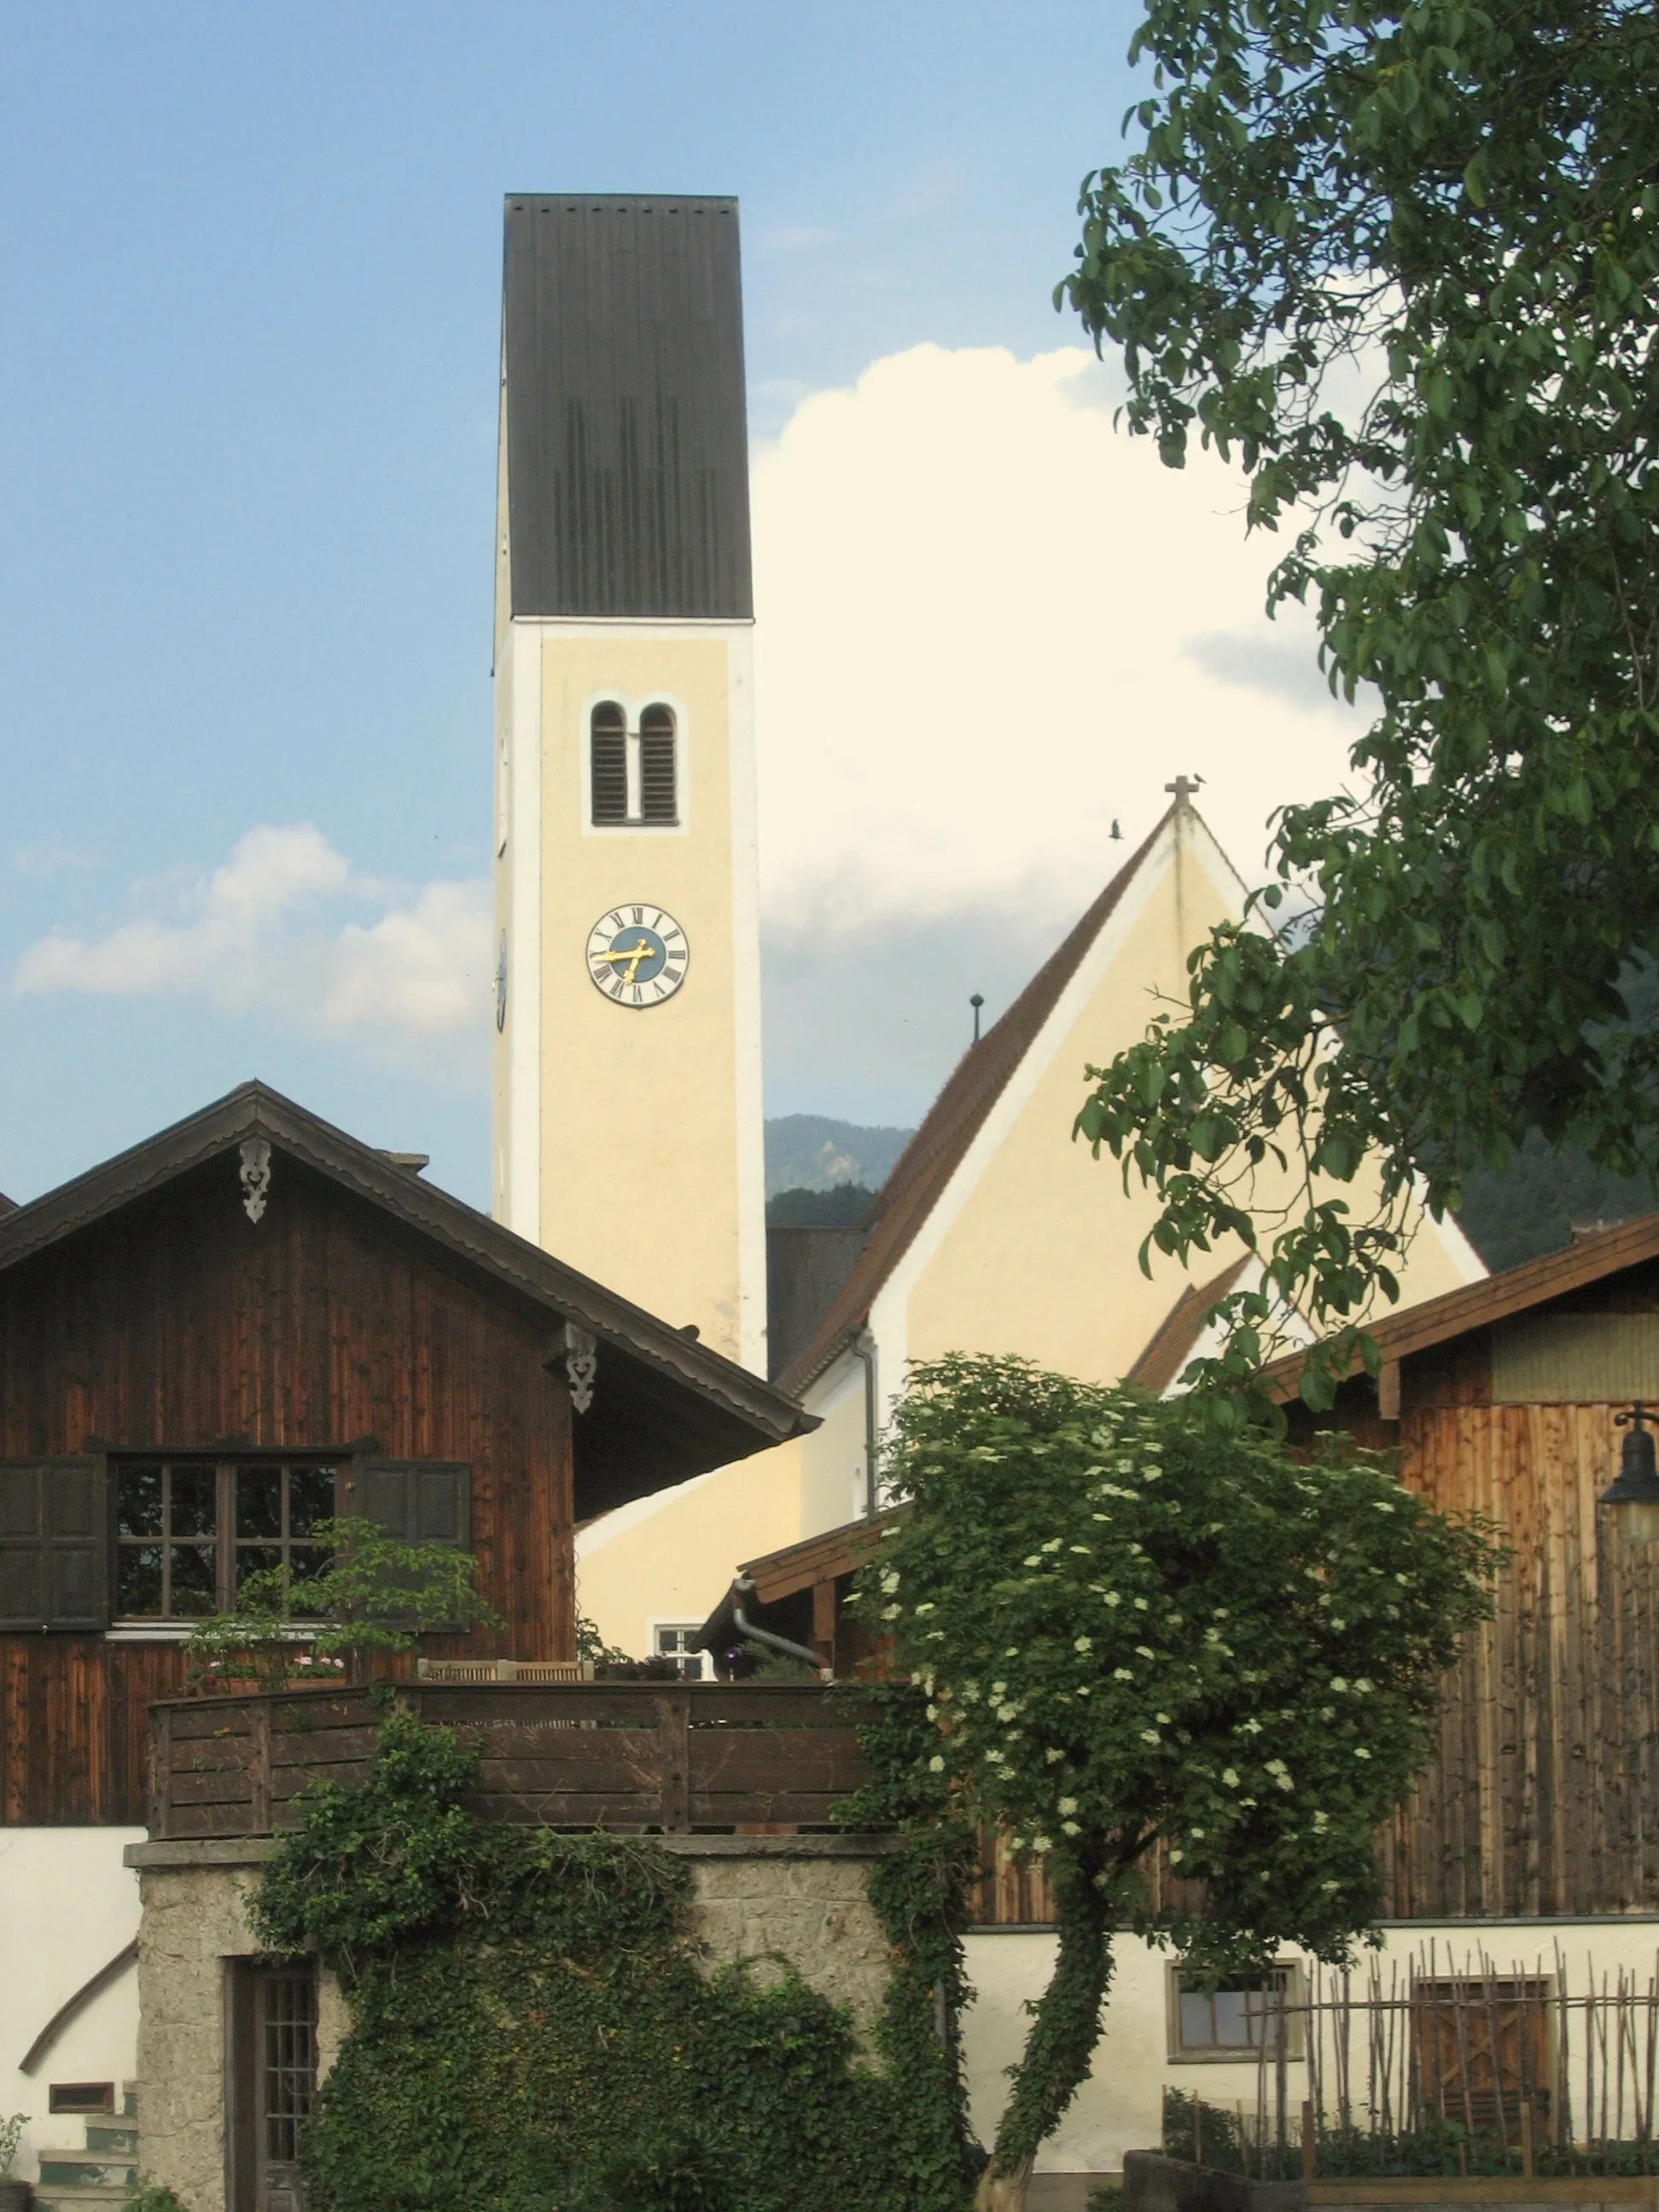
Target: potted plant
(371, 1595)
(14, 2195)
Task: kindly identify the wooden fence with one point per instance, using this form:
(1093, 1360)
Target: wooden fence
(627, 1756)
(1439, 2065)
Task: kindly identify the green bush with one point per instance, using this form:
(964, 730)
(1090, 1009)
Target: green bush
(532, 2029)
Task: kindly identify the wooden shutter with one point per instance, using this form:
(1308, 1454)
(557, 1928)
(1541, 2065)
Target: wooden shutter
(54, 1544)
(419, 1501)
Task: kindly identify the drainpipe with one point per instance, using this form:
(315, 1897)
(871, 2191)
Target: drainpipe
(744, 1588)
(864, 1351)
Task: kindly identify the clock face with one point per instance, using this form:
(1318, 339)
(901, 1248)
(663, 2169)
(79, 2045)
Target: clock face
(637, 955)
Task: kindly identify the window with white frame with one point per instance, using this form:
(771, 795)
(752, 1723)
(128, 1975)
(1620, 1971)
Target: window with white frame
(671, 1639)
(1240, 2021)
(633, 767)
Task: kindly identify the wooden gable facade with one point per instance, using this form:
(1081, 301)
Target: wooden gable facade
(1542, 1802)
(253, 1319)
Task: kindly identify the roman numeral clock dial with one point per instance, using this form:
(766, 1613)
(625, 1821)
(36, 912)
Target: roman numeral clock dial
(637, 956)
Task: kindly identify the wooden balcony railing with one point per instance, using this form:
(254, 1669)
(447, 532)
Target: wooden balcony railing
(630, 1756)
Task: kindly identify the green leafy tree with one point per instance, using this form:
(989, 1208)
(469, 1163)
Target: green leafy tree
(1135, 1634)
(372, 1593)
(1398, 258)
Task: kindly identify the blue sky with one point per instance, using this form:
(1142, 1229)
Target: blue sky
(249, 300)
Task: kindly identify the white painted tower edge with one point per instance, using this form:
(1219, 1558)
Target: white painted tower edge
(524, 1017)
(746, 1000)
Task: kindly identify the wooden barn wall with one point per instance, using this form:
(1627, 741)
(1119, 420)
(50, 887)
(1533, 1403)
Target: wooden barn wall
(1544, 1797)
(181, 1323)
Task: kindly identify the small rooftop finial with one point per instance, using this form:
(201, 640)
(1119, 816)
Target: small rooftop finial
(976, 1002)
(1183, 787)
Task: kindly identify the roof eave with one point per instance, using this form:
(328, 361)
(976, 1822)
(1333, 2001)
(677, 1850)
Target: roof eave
(254, 1111)
(1494, 1299)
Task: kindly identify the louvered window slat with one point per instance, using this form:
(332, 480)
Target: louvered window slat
(609, 757)
(659, 798)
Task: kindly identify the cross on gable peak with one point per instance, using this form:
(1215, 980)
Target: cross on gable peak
(1183, 787)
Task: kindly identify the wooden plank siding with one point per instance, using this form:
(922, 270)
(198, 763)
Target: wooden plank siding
(178, 1323)
(627, 1756)
(1544, 1797)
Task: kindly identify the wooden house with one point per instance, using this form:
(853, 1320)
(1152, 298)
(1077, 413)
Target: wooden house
(247, 1324)
(1525, 1863)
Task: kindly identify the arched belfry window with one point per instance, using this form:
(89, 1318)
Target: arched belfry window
(658, 799)
(609, 760)
(633, 773)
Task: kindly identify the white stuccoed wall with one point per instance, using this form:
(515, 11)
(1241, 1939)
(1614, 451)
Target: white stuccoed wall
(1120, 2106)
(67, 1906)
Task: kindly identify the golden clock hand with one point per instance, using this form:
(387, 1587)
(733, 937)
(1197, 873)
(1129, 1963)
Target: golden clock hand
(640, 951)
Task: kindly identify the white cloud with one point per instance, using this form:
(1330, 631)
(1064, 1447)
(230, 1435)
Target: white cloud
(990, 622)
(264, 935)
(49, 857)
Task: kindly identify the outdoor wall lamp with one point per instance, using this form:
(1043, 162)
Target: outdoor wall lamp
(1634, 1496)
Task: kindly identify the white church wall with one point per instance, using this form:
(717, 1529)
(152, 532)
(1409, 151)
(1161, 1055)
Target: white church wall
(67, 1907)
(672, 1557)
(746, 1005)
(832, 1460)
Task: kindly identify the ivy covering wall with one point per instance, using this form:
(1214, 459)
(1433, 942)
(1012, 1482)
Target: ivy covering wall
(532, 2030)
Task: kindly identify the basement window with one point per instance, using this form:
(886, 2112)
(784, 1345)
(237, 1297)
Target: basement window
(1234, 2024)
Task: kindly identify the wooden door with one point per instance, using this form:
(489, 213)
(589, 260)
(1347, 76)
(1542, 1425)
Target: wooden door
(1481, 2047)
(273, 2020)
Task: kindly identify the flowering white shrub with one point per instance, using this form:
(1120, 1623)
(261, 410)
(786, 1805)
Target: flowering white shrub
(1136, 1630)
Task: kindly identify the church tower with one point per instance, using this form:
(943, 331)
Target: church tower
(627, 1081)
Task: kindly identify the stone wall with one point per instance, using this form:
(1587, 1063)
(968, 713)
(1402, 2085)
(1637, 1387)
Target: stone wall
(773, 1898)
(192, 1920)
(800, 1898)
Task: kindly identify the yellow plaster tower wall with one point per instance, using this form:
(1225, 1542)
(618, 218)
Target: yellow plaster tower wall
(628, 1132)
(649, 1174)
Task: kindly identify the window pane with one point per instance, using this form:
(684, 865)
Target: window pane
(310, 1499)
(138, 1580)
(259, 1501)
(195, 1501)
(193, 1581)
(1197, 2032)
(139, 1501)
(256, 1559)
(1236, 2018)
